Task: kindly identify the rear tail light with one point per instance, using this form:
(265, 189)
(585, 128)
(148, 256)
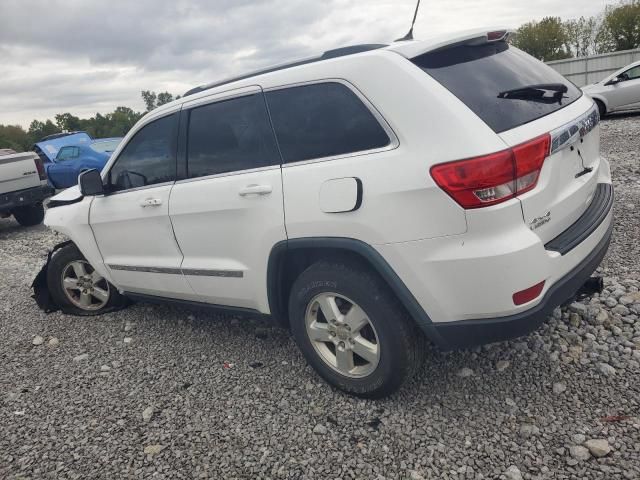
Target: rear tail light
(531, 293)
(492, 179)
(40, 167)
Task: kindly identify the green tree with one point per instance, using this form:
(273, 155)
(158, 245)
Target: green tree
(544, 40)
(149, 99)
(620, 28)
(164, 97)
(38, 129)
(580, 36)
(154, 100)
(68, 123)
(14, 137)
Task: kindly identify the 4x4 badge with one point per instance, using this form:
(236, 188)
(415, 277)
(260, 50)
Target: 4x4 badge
(540, 221)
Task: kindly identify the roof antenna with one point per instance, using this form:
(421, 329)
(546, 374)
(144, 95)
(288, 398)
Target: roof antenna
(409, 35)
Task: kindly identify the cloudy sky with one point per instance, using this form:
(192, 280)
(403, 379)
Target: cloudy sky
(88, 56)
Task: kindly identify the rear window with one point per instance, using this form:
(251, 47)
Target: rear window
(478, 74)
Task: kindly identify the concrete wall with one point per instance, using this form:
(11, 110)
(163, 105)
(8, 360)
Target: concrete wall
(587, 70)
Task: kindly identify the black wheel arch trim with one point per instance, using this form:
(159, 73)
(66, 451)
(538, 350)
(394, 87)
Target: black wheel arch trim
(374, 259)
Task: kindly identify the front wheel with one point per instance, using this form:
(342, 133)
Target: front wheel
(77, 288)
(29, 215)
(352, 330)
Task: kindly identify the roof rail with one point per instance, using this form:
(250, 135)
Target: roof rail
(335, 53)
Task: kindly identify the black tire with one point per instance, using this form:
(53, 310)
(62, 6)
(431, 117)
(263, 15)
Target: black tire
(400, 343)
(29, 215)
(601, 108)
(59, 262)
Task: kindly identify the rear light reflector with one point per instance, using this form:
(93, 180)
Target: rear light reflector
(531, 293)
(40, 168)
(492, 179)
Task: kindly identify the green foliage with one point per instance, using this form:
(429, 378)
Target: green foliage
(154, 100)
(620, 28)
(545, 39)
(14, 137)
(149, 99)
(581, 36)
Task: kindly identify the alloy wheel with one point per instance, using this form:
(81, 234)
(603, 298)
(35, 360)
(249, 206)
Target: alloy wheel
(84, 286)
(342, 335)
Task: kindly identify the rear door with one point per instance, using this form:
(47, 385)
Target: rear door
(227, 211)
(482, 76)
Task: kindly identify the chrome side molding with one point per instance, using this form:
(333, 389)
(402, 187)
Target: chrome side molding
(180, 271)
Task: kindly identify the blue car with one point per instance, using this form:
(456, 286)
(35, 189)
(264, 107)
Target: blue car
(79, 153)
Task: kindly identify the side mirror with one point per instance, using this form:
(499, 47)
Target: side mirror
(91, 183)
(622, 78)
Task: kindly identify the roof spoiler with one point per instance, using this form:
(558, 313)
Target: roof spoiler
(475, 37)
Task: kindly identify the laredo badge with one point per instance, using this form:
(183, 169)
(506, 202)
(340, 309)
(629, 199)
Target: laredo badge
(540, 221)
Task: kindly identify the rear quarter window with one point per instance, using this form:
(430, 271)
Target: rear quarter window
(478, 74)
(322, 120)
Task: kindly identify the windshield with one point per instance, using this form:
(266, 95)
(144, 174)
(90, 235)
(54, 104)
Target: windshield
(480, 75)
(107, 146)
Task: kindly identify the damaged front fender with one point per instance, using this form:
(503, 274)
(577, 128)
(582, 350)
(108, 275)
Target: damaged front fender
(52, 303)
(40, 286)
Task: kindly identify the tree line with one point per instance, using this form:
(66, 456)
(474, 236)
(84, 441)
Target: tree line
(616, 28)
(114, 124)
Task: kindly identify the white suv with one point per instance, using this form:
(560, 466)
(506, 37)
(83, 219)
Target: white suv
(451, 189)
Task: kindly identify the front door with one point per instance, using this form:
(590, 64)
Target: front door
(63, 172)
(625, 94)
(131, 222)
(228, 212)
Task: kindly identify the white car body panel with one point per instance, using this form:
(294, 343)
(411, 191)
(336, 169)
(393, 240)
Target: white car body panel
(623, 95)
(137, 242)
(226, 235)
(18, 172)
(559, 193)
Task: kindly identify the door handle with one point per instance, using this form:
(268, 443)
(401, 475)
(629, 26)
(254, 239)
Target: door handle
(255, 190)
(150, 202)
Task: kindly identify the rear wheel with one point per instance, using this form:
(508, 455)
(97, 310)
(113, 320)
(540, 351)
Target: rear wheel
(29, 215)
(601, 108)
(77, 287)
(352, 330)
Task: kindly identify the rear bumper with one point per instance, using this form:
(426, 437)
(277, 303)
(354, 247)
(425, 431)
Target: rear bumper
(469, 333)
(22, 198)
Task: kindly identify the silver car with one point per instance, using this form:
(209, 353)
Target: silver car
(620, 91)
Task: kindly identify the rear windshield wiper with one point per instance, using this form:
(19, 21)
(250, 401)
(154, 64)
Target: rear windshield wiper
(537, 93)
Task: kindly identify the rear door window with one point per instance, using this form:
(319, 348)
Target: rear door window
(322, 120)
(230, 135)
(477, 75)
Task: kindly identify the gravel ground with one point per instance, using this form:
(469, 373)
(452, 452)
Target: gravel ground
(156, 391)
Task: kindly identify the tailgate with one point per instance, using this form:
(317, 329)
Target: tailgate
(18, 172)
(569, 176)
